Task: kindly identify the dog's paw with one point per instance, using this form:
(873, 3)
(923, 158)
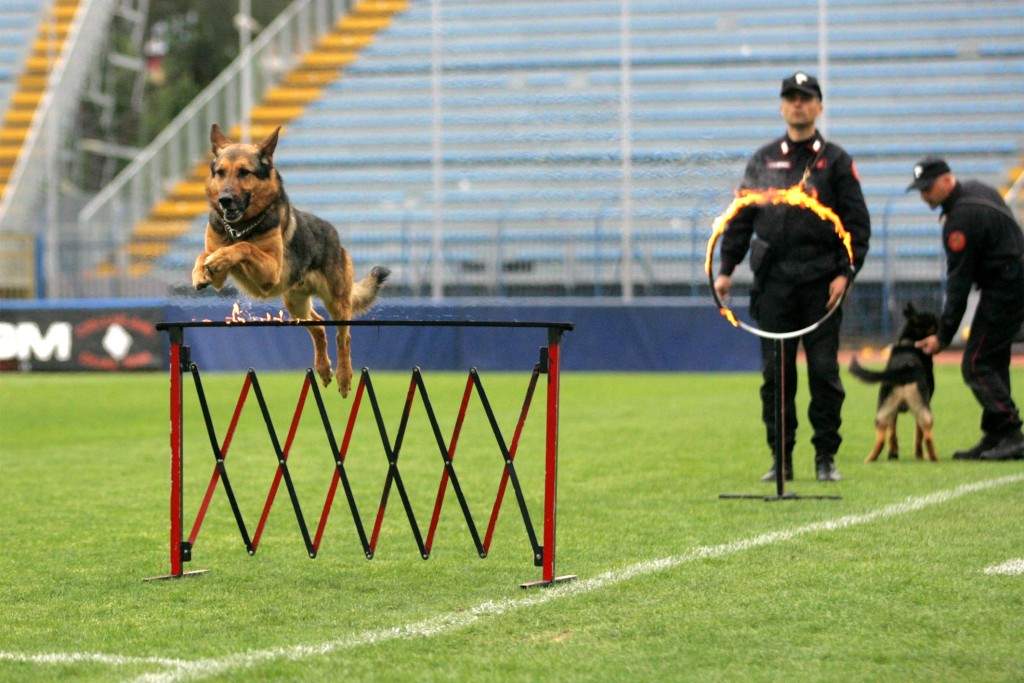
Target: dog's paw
(380, 274)
(324, 371)
(200, 280)
(216, 264)
(344, 383)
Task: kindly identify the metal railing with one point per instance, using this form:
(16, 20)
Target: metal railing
(65, 82)
(182, 144)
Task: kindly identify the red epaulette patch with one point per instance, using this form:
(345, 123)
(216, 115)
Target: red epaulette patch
(956, 241)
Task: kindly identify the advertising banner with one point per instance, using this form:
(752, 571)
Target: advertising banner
(81, 339)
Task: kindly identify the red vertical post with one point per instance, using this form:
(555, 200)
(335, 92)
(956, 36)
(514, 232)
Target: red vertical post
(176, 455)
(551, 457)
(180, 550)
(551, 466)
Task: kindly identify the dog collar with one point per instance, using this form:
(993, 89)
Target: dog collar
(240, 233)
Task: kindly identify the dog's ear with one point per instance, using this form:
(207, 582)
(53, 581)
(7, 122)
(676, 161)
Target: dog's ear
(218, 139)
(909, 311)
(268, 146)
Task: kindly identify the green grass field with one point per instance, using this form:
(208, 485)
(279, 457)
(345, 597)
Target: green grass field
(746, 590)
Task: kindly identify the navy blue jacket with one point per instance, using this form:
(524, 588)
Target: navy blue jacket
(984, 246)
(802, 247)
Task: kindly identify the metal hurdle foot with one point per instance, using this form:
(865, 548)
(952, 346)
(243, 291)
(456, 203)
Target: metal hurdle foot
(544, 584)
(183, 575)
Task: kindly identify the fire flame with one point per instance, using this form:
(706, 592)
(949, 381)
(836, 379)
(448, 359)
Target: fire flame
(729, 315)
(238, 316)
(793, 196)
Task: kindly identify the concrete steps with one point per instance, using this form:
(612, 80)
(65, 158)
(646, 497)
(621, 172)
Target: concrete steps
(31, 85)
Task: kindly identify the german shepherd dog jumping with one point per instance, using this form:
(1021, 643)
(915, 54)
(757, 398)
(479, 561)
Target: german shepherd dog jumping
(272, 249)
(908, 383)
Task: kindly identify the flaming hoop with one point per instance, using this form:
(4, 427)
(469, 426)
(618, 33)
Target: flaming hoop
(792, 196)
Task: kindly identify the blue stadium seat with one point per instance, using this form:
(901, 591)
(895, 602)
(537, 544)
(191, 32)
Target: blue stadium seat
(908, 14)
(15, 21)
(532, 175)
(17, 28)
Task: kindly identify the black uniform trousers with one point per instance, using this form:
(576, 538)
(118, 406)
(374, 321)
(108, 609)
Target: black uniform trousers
(782, 307)
(986, 361)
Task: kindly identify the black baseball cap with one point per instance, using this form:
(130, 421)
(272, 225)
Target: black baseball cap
(926, 171)
(801, 82)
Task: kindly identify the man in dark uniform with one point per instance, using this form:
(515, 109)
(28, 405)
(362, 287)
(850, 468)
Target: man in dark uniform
(800, 267)
(984, 247)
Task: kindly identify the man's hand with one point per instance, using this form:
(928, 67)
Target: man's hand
(723, 283)
(929, 345)
(835, 290)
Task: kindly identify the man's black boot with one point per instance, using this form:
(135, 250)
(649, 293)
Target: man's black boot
(974, 452)
(1010, 447)
(787, 470)
(826, 467)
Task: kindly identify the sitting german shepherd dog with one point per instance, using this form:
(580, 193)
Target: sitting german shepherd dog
(272, 249)
(908, 383)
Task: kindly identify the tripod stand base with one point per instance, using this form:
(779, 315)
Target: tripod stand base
(769, 499)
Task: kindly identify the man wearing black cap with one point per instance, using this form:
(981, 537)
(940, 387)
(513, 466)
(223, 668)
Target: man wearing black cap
(800, 269)
(984, 247)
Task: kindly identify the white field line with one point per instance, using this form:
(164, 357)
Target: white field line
(179, 670)
(1010, 567)
(458, 620)
(88, 658)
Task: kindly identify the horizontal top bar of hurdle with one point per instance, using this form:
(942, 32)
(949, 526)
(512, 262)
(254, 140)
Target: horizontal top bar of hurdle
(563, 326)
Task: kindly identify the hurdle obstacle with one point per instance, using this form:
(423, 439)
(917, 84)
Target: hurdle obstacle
(180, 364)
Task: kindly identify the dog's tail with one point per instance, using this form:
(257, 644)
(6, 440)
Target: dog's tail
(364, 293)
(897, 376)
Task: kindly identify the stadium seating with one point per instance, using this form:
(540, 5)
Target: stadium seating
(17, 24)
(337, 47)
(28, 45)
(532, 175)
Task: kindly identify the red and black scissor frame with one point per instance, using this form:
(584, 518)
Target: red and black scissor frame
(548, 364)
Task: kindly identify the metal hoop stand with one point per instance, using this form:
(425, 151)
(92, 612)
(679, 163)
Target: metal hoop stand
(780, 339)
